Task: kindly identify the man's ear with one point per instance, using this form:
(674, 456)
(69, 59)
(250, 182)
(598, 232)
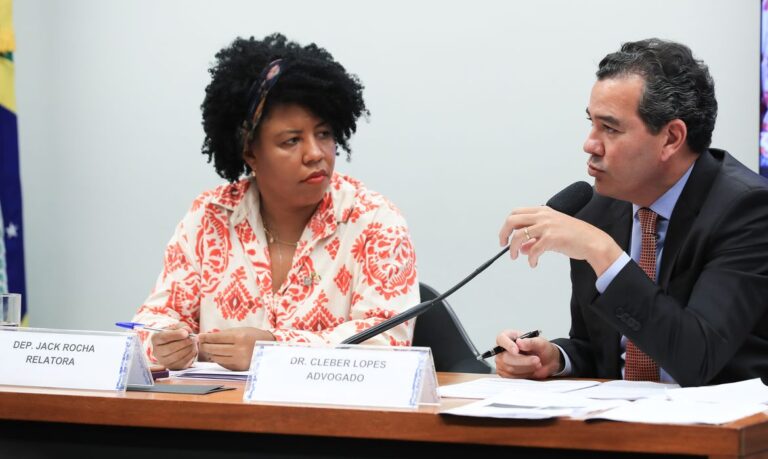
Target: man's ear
(675, 136)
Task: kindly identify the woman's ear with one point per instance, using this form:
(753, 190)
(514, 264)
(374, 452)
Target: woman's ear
(249, 156)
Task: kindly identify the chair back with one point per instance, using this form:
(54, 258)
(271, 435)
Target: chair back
(440, 329)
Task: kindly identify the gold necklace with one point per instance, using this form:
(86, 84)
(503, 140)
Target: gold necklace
(272, 239)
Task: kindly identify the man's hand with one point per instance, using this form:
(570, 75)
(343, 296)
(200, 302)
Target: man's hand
(232, 348)
(534, 358)
(535, 230)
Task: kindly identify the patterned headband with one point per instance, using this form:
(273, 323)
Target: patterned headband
(266, 81)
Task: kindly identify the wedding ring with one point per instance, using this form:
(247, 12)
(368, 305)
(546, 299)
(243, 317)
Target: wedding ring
(527, 235)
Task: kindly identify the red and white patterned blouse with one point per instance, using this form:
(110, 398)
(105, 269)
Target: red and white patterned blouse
(354, 267)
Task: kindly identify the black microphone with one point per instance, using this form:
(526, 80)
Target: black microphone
(569, 200)
(572, 198)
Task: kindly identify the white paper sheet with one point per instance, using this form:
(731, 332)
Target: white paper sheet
(626, 390)
(748, 392)
(655, 411)
(488, 387)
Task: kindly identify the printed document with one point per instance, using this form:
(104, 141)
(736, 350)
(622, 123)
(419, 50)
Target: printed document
(522, 404)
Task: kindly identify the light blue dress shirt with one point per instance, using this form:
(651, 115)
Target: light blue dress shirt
(664, 207)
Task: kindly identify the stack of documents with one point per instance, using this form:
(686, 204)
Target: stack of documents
(629, 401)
(524, 404)
(717, 404)
(654, 411)
(210, 370)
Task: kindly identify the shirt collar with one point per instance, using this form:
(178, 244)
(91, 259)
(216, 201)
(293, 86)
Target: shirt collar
(231, 195)
(666, 203)
(241, 199)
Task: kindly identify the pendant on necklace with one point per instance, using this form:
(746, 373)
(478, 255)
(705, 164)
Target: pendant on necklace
(313, 278)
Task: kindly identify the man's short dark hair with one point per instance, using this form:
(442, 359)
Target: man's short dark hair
(677, 86)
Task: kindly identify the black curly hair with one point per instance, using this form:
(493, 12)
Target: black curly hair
(311, 79)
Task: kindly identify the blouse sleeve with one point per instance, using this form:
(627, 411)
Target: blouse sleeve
(175, 297)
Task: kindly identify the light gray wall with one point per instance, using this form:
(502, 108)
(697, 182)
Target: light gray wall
(477, 108)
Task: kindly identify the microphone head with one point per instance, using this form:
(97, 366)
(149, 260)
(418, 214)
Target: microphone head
(572, 198)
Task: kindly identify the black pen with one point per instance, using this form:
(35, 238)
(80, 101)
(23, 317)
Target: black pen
(499, 349)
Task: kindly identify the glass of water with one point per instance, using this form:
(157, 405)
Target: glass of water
(10, 309)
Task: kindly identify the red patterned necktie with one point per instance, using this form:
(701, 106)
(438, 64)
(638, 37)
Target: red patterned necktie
(638, 366)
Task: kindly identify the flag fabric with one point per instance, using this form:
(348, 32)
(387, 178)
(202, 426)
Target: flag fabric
(12, 266)
(3, 276)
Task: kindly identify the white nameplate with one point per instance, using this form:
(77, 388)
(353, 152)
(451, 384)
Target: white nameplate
(70, 359)
(375, 376)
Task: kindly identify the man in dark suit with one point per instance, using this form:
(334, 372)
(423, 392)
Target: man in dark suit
(669, 260)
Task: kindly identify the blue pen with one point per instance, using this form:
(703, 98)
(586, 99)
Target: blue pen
(140, 326)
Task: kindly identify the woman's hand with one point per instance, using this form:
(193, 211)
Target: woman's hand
(232, 348)
(174, 348)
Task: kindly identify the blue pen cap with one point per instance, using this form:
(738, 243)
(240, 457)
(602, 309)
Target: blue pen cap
(129, 325)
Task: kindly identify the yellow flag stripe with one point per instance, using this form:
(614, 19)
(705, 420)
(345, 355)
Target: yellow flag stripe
(7, 85)
(7, 46)
(7, 40)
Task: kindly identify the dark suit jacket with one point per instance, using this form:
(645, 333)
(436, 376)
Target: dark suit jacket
(706, 321)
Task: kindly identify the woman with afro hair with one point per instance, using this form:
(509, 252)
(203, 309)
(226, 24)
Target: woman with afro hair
(288, 250)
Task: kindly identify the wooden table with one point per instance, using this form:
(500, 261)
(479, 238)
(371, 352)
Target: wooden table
(48, 421)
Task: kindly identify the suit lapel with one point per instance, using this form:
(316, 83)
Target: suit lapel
(687, 209)
(617, 222)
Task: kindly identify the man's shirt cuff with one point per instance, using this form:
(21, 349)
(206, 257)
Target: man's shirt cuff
(607, 277)
(567, 369)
